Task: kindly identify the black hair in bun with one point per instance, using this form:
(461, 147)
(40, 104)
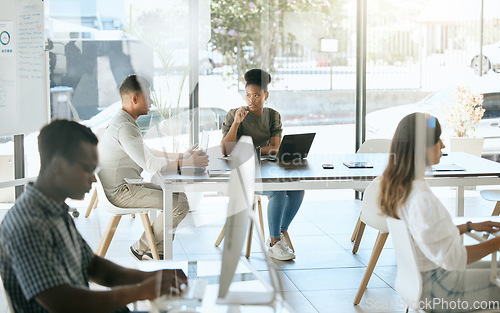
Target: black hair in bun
(258, 77)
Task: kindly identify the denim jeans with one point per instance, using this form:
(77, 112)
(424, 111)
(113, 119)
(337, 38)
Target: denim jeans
(282, 208)
(459, 291)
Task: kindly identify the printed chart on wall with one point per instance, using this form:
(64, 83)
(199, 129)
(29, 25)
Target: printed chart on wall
(7, 53)
(23, 78)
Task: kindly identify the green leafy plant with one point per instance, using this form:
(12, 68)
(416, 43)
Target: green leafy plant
(250, 34)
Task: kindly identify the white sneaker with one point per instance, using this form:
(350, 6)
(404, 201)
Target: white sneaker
(279, 251)
(283, 240)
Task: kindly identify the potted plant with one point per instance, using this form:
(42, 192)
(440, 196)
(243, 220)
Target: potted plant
(159, 29)
(171, 76)
(462, 113)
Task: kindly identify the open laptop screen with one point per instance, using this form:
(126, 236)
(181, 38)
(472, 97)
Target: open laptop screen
(295, 146)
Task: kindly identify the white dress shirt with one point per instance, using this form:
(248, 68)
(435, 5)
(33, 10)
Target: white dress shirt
(436, 239)
(123, 154)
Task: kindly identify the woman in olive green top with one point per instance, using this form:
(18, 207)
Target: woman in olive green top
(264, 126)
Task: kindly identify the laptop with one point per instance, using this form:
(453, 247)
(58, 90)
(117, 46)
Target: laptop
(293, 147)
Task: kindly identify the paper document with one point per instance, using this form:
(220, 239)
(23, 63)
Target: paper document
(447, 167)
(224, 173)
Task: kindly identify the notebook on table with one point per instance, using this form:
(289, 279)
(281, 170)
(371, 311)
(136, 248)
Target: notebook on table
(219, 173)
(447, 167)
(358, 164)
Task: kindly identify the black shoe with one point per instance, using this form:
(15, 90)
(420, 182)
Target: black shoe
(149, 256)
(136, 255)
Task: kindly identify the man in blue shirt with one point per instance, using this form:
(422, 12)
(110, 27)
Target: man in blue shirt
(45, 263)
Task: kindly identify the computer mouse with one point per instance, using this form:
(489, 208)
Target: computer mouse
(191, 170)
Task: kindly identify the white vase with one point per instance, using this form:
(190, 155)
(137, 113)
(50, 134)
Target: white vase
(473, 145)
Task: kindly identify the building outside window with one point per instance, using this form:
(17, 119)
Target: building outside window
(414, 49)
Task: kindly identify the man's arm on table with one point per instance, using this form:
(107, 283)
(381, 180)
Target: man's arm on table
(133, 144)
(128, 285)
(191, 157)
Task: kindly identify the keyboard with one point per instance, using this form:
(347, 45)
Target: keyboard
(194, 291)
(268, 157)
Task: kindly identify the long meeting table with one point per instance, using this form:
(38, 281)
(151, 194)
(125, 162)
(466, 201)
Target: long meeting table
(310, 175)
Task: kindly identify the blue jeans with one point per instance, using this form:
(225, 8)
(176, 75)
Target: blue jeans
(459, 291)
(282, 208)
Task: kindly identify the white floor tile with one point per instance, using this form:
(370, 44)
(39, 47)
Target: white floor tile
(325, 275)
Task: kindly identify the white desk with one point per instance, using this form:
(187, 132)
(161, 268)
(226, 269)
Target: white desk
(210, 270)
(273, 176)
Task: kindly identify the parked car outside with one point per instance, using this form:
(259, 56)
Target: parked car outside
(383, 123)
(491, 59)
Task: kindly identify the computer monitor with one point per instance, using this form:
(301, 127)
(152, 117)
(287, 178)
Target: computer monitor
(241, 198)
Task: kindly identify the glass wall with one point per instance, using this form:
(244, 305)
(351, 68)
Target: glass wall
(309, 49)
(419, 52)
(414, 48)
(307, 46)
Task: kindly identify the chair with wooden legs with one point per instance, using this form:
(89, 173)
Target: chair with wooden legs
(371, 215)
(257, 201)
(492, 195)
(117, 214)
(378, 145)
(408, 278)
(93, 203)
(93, 199)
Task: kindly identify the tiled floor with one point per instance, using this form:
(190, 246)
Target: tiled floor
(325, 275)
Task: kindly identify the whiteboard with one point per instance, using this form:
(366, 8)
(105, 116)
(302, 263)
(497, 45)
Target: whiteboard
(24, 88)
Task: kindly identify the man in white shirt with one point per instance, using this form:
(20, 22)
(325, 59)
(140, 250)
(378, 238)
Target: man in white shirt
(124, 155)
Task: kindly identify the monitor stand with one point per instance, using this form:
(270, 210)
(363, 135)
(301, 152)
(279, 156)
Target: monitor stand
(266, 297)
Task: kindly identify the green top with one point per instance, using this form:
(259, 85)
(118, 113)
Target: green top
(260, 127)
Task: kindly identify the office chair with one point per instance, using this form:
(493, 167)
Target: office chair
(371, 215)
(492, 195)
(92, 203)
(408, 279)
(117, 214)
(369, 146)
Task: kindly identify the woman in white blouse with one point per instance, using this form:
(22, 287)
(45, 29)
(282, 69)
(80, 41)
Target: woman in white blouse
(448, 283)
